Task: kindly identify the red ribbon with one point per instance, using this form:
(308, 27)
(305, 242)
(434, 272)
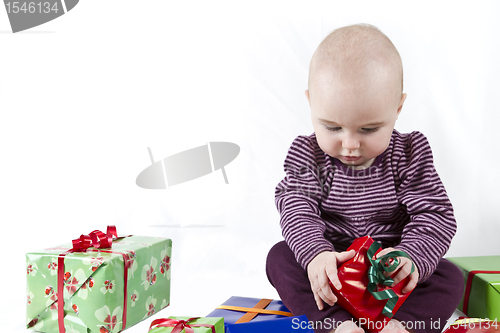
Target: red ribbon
(179, 324)
(468, 286)
(98, 240)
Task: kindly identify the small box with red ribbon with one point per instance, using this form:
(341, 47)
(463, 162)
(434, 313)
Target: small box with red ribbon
(99, 283)
(366, 293)
(473, 325)
(482, 286)
(187, 325)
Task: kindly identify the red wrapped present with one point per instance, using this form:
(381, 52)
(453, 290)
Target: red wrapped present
(365, 291)
(473, 325)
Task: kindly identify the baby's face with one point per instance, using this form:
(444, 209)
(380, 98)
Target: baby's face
(354, 122)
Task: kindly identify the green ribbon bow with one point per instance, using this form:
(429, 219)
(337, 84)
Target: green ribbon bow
(386, 263)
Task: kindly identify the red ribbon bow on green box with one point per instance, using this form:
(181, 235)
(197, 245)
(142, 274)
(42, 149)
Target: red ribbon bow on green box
(179, 324)
(96, 238)
(99, 240)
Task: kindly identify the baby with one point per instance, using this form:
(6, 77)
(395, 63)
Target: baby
(356, 176)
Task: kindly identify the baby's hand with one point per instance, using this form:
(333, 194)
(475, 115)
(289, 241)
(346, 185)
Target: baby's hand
(403, 270)
(323, 269)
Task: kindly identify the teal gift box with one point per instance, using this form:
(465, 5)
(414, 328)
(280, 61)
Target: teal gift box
(107, 283)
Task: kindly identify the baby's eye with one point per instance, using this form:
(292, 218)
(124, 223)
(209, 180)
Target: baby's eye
(370, 130)
(333, 129)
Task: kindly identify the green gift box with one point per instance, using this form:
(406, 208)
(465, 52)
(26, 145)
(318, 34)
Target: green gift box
(105, 289)
(188, 324)
(482, 286)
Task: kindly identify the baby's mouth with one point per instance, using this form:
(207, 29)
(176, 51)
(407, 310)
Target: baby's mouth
(351, 158)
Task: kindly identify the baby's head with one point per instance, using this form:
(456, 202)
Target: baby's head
(356, 93)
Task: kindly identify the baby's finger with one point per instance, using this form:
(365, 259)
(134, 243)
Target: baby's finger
(411, 284)
(327, 295)
(318, 300)
(314, 289)
(344, 256)
(384, 252)
(404, 270)
(331, 273)
(324, 290)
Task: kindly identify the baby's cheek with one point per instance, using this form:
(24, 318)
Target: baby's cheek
(328, 146)
(381, 143)
(334, 150)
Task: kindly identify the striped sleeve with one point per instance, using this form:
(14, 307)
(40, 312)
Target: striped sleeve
(428, 234)
(297, 199)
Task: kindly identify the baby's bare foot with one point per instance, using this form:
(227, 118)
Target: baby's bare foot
(348, 327)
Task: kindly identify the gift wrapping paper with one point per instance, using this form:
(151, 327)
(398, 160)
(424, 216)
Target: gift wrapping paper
(355, 276)
(482, 280)
(282, 325)
(237, 310)
(95, 296)
(188, 325)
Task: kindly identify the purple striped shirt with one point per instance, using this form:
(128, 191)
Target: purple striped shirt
(399, 201)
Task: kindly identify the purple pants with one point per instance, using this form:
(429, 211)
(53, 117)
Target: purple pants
(427, 309)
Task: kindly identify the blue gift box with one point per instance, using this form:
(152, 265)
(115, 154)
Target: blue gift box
(232, 316)
(282, 325)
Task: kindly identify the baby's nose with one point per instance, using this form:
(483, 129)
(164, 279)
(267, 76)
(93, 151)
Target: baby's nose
(350, 143)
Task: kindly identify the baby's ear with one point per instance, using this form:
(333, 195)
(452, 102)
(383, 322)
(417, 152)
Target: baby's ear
(401, 102)
(307, 95)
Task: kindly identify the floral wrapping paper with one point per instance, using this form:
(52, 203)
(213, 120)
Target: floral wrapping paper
(94, 285)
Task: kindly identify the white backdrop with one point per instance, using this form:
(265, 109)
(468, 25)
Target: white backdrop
(83, 96)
